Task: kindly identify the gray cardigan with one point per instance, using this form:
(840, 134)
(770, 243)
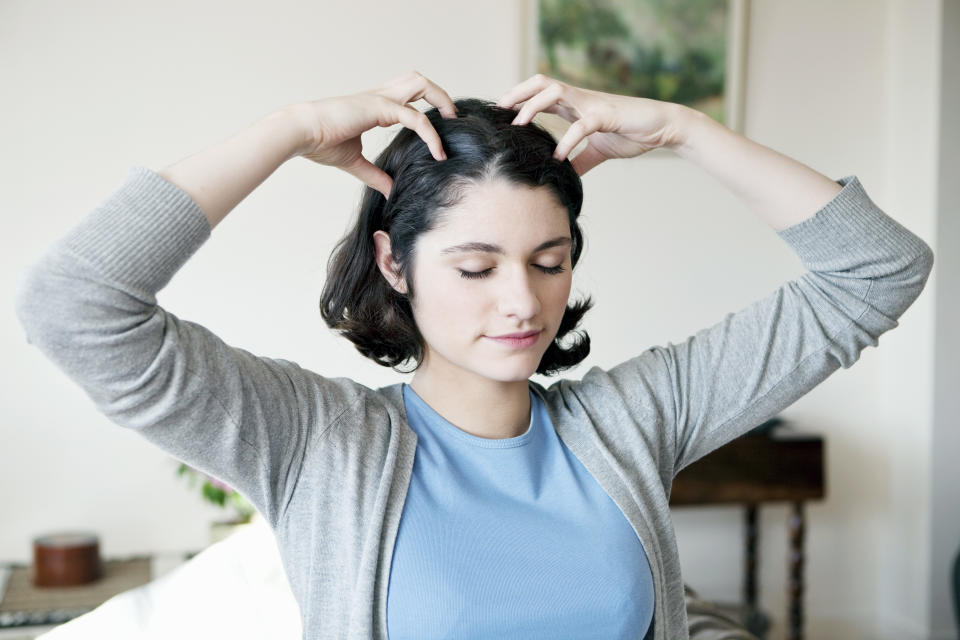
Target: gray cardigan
(327, 460)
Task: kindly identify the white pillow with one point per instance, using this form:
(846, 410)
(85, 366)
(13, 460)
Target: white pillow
(235, 588)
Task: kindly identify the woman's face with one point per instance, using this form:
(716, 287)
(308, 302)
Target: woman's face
(516, 239)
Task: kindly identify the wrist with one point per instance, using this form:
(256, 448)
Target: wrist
(293, 129)
(689, 124)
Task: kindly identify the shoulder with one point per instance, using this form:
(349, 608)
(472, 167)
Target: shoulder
(640, 384)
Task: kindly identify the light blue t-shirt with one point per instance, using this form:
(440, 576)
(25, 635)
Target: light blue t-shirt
(511, 538)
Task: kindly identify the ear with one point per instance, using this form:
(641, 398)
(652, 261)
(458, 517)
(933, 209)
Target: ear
(385, 262)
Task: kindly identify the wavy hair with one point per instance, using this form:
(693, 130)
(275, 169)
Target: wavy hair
(481, 144)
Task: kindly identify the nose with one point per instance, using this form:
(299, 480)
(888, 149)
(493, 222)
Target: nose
(519, 298)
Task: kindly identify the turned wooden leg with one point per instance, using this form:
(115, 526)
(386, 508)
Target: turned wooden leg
(750, 558)
(795, 588)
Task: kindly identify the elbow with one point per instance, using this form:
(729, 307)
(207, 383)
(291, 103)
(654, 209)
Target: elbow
(47, 297)
(40, 292)
(925, 259)
(28, 300)
(905, 289)
(46, 307)
(923, 266)
(98, 336)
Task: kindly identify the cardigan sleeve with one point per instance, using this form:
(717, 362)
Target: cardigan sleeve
(864, 270)
(89, 304)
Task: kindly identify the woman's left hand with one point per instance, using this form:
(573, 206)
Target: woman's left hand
(615, 126)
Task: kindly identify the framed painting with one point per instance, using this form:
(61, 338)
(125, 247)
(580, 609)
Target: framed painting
(691, 52)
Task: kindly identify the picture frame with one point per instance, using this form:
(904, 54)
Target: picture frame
(691, 52)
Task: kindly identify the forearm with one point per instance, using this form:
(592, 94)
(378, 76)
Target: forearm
(779, 189)
(219, 177)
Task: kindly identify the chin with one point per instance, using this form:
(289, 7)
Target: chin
(514, 375)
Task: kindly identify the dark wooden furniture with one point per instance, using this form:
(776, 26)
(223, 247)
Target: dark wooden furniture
(772, 463)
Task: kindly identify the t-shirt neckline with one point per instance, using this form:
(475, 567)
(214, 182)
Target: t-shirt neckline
(477, 441)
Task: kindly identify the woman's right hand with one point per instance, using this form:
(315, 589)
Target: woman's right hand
(333, 125)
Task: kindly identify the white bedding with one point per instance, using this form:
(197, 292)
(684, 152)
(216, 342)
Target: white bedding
(235, 588)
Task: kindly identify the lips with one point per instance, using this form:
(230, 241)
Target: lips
(517, 336)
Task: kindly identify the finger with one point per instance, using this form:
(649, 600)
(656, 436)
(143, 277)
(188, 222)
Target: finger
(439, 98)
(587, 159)
(574, 134)
(529, 87)
(415, 86)
(371, 175)
(540, 102)
(567, 113)
(418, 122)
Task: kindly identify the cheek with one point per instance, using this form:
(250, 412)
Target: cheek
(446, 304)
(560, 294)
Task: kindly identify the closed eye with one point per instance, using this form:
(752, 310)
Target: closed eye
(486, 272)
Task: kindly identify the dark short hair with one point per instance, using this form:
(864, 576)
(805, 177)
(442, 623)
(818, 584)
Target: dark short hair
(481, 144)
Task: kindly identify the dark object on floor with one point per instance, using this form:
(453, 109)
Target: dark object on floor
(708, 621)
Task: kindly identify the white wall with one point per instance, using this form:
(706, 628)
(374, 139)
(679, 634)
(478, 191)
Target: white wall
(945, 472)
(847, 88)
(911, 172)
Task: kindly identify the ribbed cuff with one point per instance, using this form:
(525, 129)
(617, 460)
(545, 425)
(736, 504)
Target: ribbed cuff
(851, 230)
(142, 233)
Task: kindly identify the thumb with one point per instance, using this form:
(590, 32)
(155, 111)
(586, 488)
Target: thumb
(587, 159)
(371, 175)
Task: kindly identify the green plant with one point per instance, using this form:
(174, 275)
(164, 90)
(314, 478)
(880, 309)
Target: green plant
(217, 492)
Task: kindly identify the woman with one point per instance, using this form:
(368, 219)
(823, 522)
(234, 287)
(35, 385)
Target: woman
(472, 502)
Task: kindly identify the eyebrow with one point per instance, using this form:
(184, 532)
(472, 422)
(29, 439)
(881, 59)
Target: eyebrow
(486, 247)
